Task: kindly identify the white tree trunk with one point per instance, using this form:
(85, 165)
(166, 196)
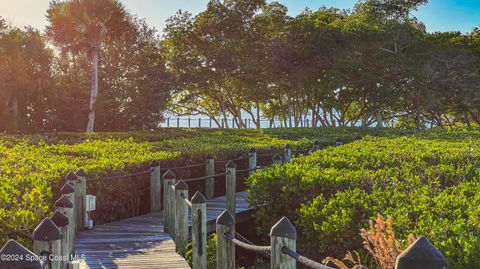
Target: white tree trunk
(224, 113)
(93, 91)
(379, 119)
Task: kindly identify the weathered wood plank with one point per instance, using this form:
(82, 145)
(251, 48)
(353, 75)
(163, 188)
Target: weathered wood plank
(140, 242)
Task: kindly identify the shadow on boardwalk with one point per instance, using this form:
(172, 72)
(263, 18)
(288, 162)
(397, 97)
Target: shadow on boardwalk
(140, 242)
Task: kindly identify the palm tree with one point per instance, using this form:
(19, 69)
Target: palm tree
(82, 26)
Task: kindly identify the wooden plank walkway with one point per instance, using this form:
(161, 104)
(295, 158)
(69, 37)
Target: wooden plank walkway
(140, 242)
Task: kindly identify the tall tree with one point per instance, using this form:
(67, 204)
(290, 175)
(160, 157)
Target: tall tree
(83, 25)
(24, 74)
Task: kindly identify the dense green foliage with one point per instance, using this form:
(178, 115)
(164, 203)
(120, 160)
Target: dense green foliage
(211, 252)
(367, 65)
(374, 64)
(427, 183)
(32, 167)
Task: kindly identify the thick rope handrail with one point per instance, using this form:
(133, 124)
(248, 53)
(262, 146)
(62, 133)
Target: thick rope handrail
(267, 155)
(236, 159)
(204, 177)
(249, 169)
(304, 260)
(184, 167)
(244, 239)
(301, 151)
(258, 168)
(119, 177)
(260, 249)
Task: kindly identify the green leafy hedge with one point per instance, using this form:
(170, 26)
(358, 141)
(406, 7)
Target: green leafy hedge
(32, 167)
(428, 184)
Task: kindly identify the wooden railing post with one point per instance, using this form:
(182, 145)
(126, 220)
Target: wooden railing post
(178, 122)
(189, 123)
(210, 180)
(316, 146)
(252, 160)
(277, 160)
(282, 234)
(339, 142)
(181, 215)
(199, 123)
(65, 206)
(199, 231)
(168, 122)
(421, 254)
(231, 187)
(62, 222)
(287, 154)
(68, 191)
(169, 202)
(225, 248)
(155, 186)
(72, 179)
(82, 191)
(14, 249)
(46, 241)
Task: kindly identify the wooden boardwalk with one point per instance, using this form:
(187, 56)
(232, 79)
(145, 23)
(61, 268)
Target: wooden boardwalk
(140, 242)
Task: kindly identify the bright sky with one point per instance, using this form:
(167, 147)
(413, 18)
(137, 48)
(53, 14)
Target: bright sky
(438, 15)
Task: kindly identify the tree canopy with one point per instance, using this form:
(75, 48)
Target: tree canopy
(373, 65)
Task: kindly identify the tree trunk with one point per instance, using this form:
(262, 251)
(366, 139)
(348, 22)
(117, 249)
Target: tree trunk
(15, 113)
(417, 113)
(224, 114)
(378, 115)
(289, 104)
(94, 91)
(258, 115)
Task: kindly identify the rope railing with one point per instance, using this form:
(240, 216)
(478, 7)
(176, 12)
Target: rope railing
(249, 246)
(240, 158)
(204, 177)
(120, 176)
(283, 237)
(233, 160)
(184, 167)
(304, 260)
(266, 250)
(240, 171)
(301, 151)
(267, 155)
(187, 201)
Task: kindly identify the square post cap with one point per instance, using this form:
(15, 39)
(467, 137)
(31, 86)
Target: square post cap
(181, 185)
(46, 231)
(81, 173)
(59, 219)
(71, 176)
(64, 202)
(67, 188)
(12, 247)
(421, 254)
(198, 198)
(226, 218)
(231, 164)
(284, 228)
(169, 175)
